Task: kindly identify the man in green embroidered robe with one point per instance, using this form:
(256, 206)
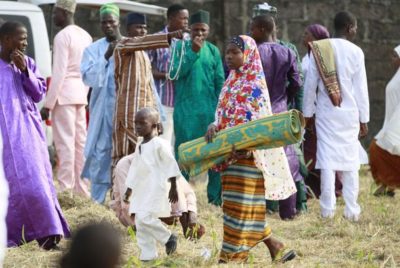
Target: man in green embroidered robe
(199, 77)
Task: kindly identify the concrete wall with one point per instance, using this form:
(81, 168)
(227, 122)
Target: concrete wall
(378, 32)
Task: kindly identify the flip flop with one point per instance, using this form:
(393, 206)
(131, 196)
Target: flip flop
(284, 255)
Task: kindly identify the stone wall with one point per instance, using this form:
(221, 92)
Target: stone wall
(378, 32)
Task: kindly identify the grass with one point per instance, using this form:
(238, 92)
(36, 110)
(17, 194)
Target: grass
(372, 242)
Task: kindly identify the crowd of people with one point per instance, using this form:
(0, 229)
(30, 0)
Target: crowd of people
(150, 93)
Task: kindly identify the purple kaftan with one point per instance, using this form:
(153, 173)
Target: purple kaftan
(34, 211)
(283, 81)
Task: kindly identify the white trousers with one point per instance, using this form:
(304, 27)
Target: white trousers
(168, 125)
(69, 132)
(3, 205)
(150, 230)
(350, 181)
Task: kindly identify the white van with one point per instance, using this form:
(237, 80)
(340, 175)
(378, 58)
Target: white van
(124, 5)
(38, 43)
(87, 10)
(30, 14)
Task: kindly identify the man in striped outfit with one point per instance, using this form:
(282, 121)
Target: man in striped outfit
(135, 87)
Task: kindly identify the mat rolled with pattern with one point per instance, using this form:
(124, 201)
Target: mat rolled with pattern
(269, 132)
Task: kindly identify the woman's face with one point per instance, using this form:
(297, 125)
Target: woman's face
(234, 57)
(395, 60)
(307, 37)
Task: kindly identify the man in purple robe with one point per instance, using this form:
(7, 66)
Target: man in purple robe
(34, 212)
(283, 81)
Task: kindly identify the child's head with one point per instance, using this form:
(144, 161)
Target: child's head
(95, 245)
(147, 122)
(234, 56)
(262, 27)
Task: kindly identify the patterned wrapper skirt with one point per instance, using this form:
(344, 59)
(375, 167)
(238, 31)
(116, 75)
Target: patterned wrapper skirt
(245, 223)
(385, 167)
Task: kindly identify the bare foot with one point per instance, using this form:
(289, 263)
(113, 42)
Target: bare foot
(274, 246)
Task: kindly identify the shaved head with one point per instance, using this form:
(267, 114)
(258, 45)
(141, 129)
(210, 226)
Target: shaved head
(266, 22)
(343, 20)
(149, 113)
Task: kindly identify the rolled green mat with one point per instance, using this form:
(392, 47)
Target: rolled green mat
(269, 132)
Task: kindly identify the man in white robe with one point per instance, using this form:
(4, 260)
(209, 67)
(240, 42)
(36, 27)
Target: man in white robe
(339, 124)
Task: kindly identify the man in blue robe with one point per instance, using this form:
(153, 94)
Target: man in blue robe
(97, 70)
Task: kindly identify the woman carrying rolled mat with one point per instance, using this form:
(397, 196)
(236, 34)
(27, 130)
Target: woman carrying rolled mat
(244, 98)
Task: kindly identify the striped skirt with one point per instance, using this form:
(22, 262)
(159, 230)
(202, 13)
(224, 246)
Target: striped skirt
(243, 196)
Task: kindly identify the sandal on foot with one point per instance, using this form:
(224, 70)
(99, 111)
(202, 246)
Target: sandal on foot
(170, 246)
(384, 191)
(284, 255)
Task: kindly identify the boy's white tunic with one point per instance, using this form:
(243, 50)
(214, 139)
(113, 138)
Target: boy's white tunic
(152, 165)
(338, 127)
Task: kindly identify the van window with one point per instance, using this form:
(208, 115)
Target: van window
(30, 51)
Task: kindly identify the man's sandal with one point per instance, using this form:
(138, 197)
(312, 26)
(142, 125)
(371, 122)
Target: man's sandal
(284, 255)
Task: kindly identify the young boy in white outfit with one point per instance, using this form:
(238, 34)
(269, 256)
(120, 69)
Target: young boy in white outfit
(151, 186)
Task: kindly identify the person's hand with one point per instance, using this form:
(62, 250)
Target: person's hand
(173, 193)
(127, 195)
(197, 43)
(125, 40)
(110, 49)
(176, 34)
(309, 122)
(45, 113)
(336, 98)
(18, 59)
(363, 130)
(211, 133)
(239, 154)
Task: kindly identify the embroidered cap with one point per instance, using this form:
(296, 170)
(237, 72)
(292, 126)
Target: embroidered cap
(135, 18)
(68, 5)
(200, 16)
(109, 9)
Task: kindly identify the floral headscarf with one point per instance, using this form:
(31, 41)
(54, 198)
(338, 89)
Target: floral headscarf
(244, 96)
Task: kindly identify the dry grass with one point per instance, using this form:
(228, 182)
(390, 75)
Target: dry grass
(372, 242)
